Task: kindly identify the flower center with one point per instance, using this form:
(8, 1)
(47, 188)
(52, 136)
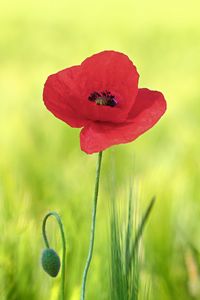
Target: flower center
(103, 98)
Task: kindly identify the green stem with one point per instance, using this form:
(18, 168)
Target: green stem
(89, 258)
(56, 215)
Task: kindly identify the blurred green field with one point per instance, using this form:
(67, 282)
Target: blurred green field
(41, 165)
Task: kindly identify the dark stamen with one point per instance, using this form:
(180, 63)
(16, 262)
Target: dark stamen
(103, 98)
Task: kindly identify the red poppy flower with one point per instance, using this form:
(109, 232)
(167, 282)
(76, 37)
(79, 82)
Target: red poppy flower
(102, 96)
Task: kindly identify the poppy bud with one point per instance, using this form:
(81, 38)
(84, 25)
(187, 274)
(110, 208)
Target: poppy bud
(50, 262)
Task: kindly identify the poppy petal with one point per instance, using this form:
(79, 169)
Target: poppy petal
(108, 71)
(147, 110)
(61, 99)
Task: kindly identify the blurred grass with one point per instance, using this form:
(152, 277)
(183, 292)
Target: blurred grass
(41, 163)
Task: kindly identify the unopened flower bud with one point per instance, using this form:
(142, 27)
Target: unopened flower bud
(50, 262)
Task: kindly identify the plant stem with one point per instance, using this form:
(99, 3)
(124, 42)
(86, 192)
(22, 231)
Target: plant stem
(56, 215)
(89, 258)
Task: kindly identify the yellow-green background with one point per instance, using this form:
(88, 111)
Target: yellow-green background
(42, 167)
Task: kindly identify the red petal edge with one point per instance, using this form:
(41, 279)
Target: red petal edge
(145, 113)
(60, 97)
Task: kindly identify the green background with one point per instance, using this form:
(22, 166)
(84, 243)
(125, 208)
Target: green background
(42, 167)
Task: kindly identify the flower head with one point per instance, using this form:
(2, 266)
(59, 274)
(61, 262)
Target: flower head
(102, 96)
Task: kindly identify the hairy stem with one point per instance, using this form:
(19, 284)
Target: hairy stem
(56, 215)
(89, 258)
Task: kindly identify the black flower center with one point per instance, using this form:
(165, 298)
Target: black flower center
(103, 98)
